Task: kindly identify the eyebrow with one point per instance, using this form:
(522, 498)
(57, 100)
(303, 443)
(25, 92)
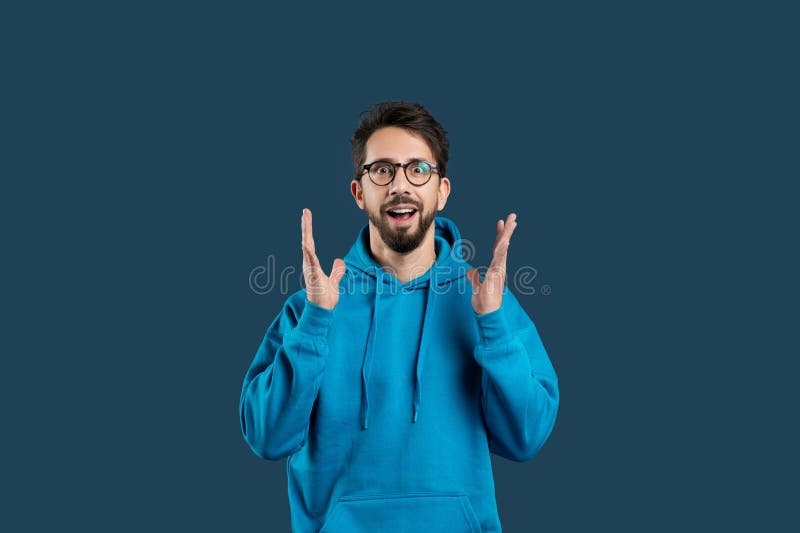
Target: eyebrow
(391, 160)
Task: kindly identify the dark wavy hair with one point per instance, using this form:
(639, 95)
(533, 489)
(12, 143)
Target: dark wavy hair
(410, 116)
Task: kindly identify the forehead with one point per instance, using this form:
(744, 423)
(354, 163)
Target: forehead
(397, 145)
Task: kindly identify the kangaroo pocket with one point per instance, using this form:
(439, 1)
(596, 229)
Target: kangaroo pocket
(432, 513)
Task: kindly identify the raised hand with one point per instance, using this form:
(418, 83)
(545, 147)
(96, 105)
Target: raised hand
(320, 289)
(487, 295)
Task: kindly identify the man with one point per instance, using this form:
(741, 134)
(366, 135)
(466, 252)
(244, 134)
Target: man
(388, 382)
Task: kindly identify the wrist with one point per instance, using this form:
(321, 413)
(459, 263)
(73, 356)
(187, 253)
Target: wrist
(493, 327)
(315, 319)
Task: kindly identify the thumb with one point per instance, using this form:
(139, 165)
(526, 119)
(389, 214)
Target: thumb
(474, 279)
(337, 271)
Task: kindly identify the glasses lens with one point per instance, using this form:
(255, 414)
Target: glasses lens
(418, 172)
(381, 172)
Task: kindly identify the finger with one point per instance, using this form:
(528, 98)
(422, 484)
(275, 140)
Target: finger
(474, 279)
(303, 226)
(498, 234)
(337, 271)
(310, 260)
(303, 233)
(498, 265)
(314, 276)
(504, 239)
(308, 233)
(509, 226)
(494, 281)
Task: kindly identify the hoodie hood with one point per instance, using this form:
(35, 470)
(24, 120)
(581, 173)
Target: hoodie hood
(449, 266)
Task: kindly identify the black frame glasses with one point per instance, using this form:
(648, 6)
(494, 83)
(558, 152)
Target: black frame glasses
(372, 171)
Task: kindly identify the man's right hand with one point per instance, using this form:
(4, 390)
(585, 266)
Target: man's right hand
(321, 290)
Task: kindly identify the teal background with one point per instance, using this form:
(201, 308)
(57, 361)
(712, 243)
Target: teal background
(154, 154)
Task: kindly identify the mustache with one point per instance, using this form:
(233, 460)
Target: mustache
(400, 201)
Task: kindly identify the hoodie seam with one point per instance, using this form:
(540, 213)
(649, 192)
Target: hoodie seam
(493, 344)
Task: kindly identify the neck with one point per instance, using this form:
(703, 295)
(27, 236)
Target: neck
(404, 267)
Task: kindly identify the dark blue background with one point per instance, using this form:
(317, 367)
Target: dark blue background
(154, 154)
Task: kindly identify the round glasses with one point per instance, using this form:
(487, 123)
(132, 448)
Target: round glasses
(418, 172)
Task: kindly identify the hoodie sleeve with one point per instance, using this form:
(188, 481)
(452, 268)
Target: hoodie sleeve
(519, 385)
(281, 385)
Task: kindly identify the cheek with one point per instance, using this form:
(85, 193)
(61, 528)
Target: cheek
(371, 200)
(433, 201)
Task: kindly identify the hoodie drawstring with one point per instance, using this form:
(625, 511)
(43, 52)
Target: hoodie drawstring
(369, 354)
(423, 349)
(360, 263)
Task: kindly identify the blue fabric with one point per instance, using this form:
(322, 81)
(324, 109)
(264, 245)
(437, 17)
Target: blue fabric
(387, 406)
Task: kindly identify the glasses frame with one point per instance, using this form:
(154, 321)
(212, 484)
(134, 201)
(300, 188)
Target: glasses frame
(365, 168)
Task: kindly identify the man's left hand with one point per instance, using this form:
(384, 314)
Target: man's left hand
(487, 295)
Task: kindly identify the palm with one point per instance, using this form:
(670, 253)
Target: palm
(487, 295)
(321, 290)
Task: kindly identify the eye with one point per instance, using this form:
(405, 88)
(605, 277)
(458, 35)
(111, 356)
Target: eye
(381, 167)
(420, 167)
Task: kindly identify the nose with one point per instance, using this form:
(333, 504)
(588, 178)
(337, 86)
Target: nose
(400, 183)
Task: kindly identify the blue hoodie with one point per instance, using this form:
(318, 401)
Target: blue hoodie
(387, 406)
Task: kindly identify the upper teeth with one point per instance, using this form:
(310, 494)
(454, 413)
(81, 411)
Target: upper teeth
(405, 210)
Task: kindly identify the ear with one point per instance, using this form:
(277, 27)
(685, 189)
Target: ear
(358, 193)
(444, 192)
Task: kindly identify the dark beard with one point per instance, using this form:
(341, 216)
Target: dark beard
(401, 241)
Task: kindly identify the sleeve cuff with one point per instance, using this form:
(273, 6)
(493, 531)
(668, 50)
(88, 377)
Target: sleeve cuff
(493, 327)
(315, 319)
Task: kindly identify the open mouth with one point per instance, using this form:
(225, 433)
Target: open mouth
(401, 213)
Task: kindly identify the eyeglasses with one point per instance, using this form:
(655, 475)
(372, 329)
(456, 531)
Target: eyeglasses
(418, 172)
